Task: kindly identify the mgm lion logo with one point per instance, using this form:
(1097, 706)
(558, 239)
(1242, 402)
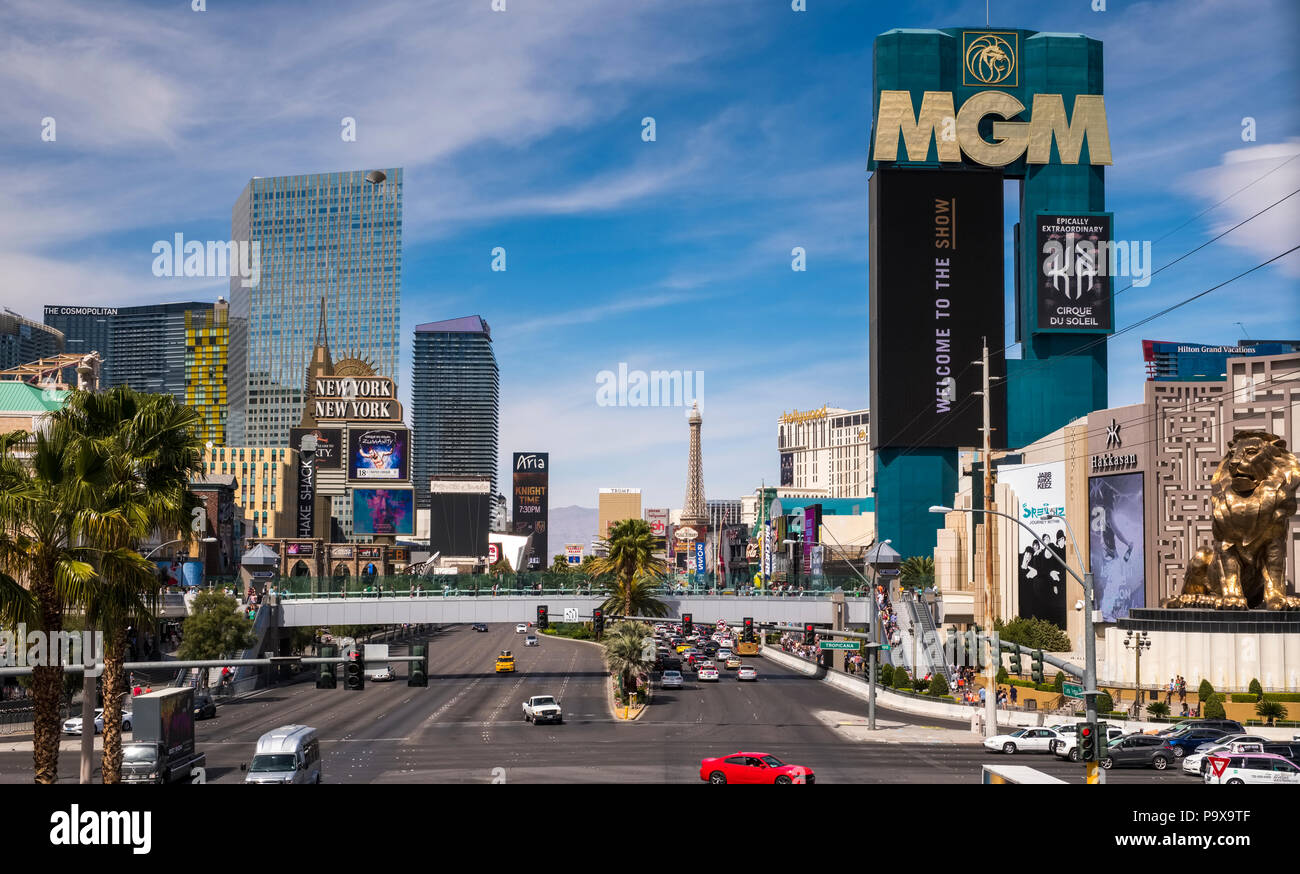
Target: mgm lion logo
(1253, 497)
(990, 59)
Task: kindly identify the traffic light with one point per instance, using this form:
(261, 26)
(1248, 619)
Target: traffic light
(1015, 659)
(598, 622)
(542, 622)
(809, 633)
(418, 672)
(325, 679)
(748, 634)
(1088, 742)
(687, 624)
(354, 673)
(1036, 666)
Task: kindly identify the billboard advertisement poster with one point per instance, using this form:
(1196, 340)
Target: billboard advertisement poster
(787, 468)
(1074, 272)
(657, 519)
(1040, 579)
(769, 549)
(573, 553)
(378, 454)
(936, 278)
(1117, 544)
(812, 520)
(383, 511)
(299, 548)
(531, 485)
(306, 517)
(699, 557)
(329, 445)
(459, 523)
(494, 553)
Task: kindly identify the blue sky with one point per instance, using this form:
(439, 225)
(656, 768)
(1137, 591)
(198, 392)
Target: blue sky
(522, 129)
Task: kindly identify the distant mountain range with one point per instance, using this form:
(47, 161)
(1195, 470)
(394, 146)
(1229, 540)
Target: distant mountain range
(570, 525)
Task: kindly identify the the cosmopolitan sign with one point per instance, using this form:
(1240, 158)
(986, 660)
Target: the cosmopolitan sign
(368, 398)
(955, 132)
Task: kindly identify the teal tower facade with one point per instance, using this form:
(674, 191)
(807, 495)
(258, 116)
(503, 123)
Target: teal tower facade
(1028, 105)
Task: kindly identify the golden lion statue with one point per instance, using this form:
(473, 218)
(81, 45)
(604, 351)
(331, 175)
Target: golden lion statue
(1253, 496)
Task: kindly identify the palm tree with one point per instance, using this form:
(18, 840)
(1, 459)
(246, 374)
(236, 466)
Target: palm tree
(626, 655)
(635, 571)
(46, 519)
(917, 572)
(1270, 710)
(148, 450)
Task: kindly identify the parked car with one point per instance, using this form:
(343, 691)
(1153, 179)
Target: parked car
(1187, 741)
(1138, 750)
(1024, 740)
(1251, 768)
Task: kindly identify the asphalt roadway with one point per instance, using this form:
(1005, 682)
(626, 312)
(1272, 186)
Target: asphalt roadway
(467, 727)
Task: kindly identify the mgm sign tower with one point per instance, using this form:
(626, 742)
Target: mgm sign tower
(957, 112)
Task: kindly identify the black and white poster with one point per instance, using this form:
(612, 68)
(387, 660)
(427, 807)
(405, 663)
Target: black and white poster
(1074, 272)
(787, 468)
(1040, 578)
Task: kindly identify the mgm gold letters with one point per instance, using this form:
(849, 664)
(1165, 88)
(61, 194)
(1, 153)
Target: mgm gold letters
(1011, 139)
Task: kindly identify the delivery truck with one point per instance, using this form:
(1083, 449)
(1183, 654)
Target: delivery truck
(161, 749)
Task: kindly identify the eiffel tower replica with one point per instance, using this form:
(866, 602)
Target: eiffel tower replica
(694, 512)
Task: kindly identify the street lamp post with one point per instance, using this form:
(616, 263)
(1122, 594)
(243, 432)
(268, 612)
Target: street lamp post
(1137, 643)
(1089, 637)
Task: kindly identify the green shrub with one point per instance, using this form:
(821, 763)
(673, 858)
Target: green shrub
(1002, 675)
(1213, 708)
(1058, 682)
(921, 685)
(938, 686)
(1105, 703)
(1270, 710)
(901, 679)
(1044, 687)
(1243, 697)
(1158, 709)
(886, 675)
(1288, 697)
(1256, 689)
(1204, 691)
(1034, 633)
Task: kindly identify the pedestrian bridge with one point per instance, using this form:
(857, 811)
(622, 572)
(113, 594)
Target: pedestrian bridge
(436, 608)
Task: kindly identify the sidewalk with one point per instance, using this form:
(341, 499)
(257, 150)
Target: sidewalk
(854, 727)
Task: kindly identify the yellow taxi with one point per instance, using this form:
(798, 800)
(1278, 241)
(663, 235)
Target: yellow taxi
(506, 662)
(683, 647)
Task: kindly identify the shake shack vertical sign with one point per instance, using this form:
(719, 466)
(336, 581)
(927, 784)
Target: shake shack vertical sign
(368, 398)
(306, 495)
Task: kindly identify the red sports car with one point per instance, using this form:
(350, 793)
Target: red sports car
(753, 768)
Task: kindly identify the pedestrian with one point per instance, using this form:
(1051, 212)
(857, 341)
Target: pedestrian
(982, 694)
(1182, 690)
(1013, 696)
(1169, 699)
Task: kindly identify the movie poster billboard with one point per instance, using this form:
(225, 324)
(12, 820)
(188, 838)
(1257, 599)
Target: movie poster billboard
(812, 520)
(383, 511)
(787, 468)
(378, 454)
(1040, 579)
(329, 445)
(936, 292)
(1117, 544)
(1074, 276)
(531, 484)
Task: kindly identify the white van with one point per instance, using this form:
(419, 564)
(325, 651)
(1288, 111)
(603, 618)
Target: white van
(288, 754)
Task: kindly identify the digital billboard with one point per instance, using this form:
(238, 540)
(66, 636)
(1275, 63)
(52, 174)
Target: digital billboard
(787, 468)
(531, 483)
(1117, 544)
(378, 454)
(383, 511)
(936, 294)
(1074, 276)
(459, 522)
(1040, 579)
(329, 445)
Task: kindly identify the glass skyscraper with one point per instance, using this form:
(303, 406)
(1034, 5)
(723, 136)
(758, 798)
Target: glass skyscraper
(336, 236)
(455, 403)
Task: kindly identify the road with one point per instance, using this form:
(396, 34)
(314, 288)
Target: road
(467, 726)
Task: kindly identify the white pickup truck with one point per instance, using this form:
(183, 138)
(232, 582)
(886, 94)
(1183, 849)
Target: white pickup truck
(543, 708)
